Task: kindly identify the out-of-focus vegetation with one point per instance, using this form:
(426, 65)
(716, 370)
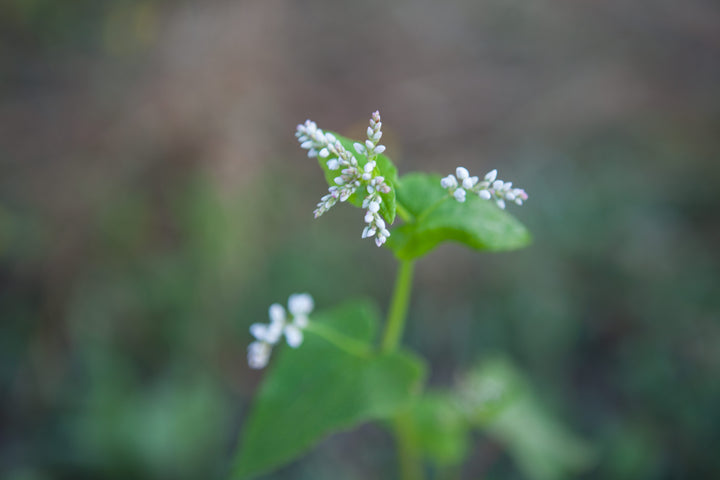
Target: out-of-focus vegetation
(153, 203)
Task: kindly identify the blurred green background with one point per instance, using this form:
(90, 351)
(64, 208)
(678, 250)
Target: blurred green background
(153, 203)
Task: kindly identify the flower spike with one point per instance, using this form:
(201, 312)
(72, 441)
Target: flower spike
(352, 177)
(489, 188)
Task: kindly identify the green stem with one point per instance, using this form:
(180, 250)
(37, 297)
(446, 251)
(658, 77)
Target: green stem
(409, 459)
(398, 307)
(408, 456)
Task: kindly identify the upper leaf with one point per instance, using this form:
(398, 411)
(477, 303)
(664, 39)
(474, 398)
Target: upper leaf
(437, 217)
(383, 164)
(318, 389)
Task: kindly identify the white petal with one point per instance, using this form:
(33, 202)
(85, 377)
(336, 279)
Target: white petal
(306, 144)
(497, 184)
(485, 194)
(380, 149)
(276, 312)
(369, 217)
(359, 148)
(374, 207)
(258, 354)
(370, 132)
(300, 304)
(301, 321)
(500, 203)
(324, 153)
(259, 330)
(491, 176)
(459, 195)
(462, 173)
(333, 164)
(273, 332)
(293, 335)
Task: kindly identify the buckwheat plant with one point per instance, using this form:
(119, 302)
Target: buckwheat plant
(338, 375)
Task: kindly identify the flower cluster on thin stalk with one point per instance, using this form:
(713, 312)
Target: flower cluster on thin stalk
(268, 335)
(353, 177)
(490, 188)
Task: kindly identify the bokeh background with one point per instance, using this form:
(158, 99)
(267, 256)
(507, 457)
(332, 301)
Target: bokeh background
(153, 203)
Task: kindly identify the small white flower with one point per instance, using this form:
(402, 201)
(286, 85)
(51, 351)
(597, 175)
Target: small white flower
(258, 354)
(449, 182)
(368, 232)
(459, 195)
(300, 305)
(276, 312)
(461, 173)
(293, 335)
(469, 182)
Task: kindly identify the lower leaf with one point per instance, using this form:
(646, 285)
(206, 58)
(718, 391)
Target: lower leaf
(319, 389)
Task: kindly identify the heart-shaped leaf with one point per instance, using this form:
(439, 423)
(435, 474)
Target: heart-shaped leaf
(318, 389)
(438, 217)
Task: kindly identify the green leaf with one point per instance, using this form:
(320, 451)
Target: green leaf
(437, 218)
(383, 165)
(498, 399)
(318, 389)
(439, 428)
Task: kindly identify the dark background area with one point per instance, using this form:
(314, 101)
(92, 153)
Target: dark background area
(153, 203)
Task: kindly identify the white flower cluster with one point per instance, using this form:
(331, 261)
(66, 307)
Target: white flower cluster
(267, 335)
(352, 177)
(489, 189)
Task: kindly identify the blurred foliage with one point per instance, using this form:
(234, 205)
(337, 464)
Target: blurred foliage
(129, 274)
